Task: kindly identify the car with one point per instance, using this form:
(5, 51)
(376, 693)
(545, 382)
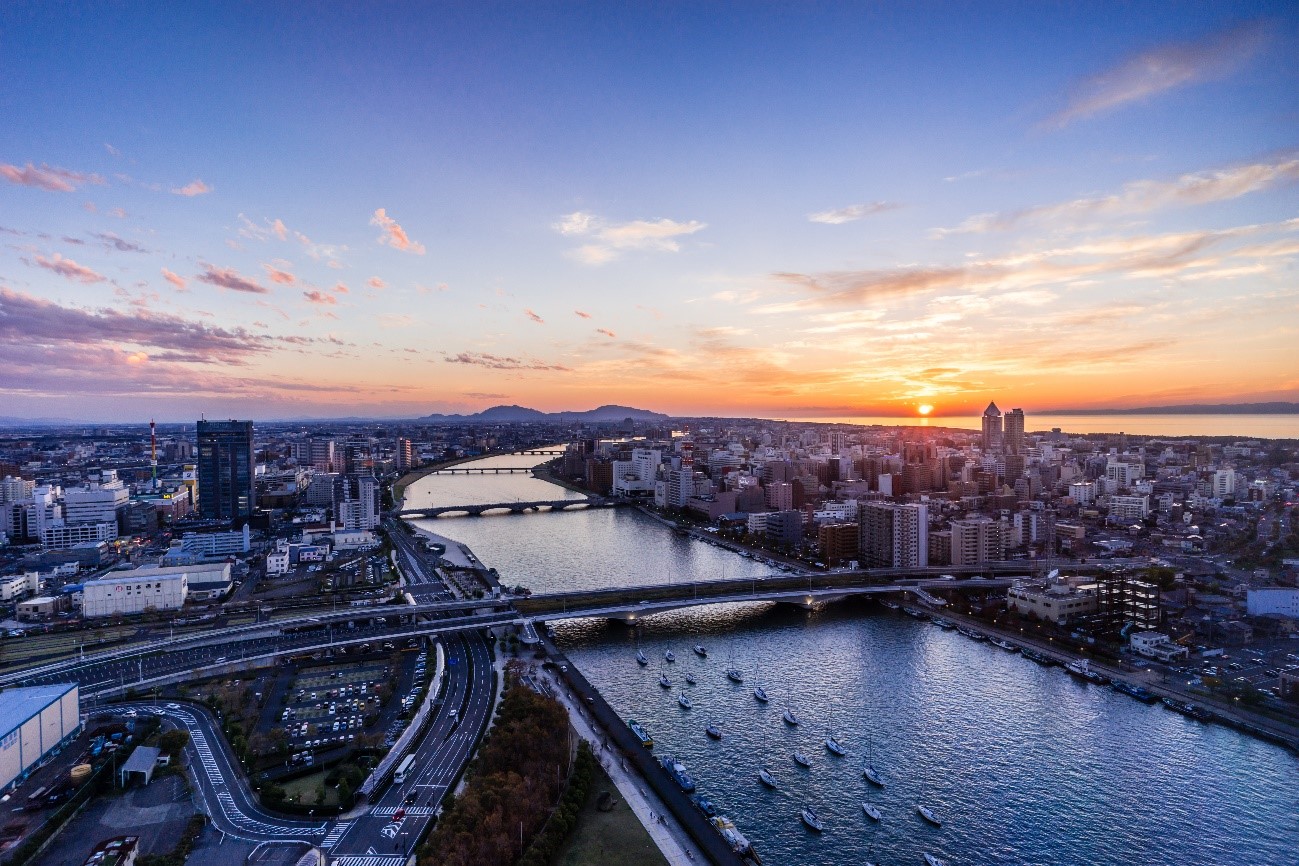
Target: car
(410, 798)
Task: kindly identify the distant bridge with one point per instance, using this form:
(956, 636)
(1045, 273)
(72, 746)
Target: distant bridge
(541, 451)
(547, 505)
(482, 470)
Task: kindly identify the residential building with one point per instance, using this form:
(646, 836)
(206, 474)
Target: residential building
(785, 527)
(226, 470)
(893, 535)
(838, 542)
(1013, 434)
(1224, 483)
(977, 540)
(1129, 509)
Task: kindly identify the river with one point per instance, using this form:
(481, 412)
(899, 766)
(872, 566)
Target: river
(1023, 764)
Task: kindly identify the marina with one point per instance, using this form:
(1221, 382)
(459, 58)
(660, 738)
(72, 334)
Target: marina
(938, 717)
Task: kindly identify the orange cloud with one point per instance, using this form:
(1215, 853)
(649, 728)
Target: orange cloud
(341, 289)
(70, 269)
(534, 317)
(317, 297)
(228, 278)
(175, 279)
(193, 188)
(279, 276)
(376, 283)
(582, 315)
(47, 177)
(610, 334)
(393, 234)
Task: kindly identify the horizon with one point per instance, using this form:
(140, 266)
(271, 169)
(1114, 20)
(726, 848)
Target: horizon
(730, 212)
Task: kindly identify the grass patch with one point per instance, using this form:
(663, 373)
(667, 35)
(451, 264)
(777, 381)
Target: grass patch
(306, 791)
(617, 836)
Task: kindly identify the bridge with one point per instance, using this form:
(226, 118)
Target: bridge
(635, 602)
(547, 505)
(482, 470)
(542, 452)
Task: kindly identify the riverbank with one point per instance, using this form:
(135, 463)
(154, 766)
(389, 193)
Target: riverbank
(1281, 732)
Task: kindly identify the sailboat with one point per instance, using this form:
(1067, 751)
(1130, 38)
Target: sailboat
(700, 651)
(690, 679)
(670, 656)
(869, 772)
(760, 694)
(641, 659)
(664, 681)
(684, 700)
(833, 746)
(767, 779)
(790, 719)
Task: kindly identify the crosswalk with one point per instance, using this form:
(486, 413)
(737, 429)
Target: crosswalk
(369, 860)
(411, 811)
(335, 833)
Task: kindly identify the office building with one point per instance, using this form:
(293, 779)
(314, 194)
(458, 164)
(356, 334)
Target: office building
(99, 501)
(1013, 433)
(225, 470)
(991, 429)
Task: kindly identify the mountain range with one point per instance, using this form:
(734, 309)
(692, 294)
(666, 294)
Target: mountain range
(510, 414)
(1273, 408)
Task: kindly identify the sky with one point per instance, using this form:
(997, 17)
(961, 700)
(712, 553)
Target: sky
(276, 210)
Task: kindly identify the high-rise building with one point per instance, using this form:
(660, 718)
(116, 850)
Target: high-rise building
(991, 429)
(893, 536)
(1013, 434)
(225, 470)
(320, 454)
(977, 540)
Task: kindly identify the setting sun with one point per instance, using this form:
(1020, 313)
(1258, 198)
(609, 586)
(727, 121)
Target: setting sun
(924, 409)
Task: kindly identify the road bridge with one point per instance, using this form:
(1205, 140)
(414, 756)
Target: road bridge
(546, 505)
(482, 470)
(542, 451)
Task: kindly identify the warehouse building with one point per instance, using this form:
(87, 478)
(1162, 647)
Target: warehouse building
(34, 723)
(127, 593)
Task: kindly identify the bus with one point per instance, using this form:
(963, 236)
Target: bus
(402, 769)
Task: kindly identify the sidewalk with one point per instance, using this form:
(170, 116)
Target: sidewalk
(671, 839)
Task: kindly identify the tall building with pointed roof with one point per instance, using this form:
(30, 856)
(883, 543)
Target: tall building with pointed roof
(991, 429)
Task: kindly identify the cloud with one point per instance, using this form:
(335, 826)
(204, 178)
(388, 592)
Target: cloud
(425, 290)
(112, 241)
(1160, 70)
(70, 269)
(47, 177)
(175, 279)
(480, 395)
(851, 212)
(227, 278)
(276, 275)
(610, 240)
(118, 212)
(502, 362)
(193, 188)
(341, 289)
(395, 320)
(282, 231)
(27, 321)
(112, 151)
(582, 315)
(318, 297)
(1176, 254)
(534, 317)
(393, 234)
(1144, 196)
(610, 334)
(376, 283)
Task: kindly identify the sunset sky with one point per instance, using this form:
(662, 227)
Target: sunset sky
(276, 210)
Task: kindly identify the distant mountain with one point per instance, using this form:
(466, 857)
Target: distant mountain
(11, 421)
(1274, 408)
(513, 414)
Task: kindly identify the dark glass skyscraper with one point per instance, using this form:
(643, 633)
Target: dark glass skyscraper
(225, 470)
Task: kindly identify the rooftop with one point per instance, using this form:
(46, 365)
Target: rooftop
(19, 705)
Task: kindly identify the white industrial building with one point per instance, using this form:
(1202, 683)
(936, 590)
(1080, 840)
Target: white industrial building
(19, 586)
(137, 591)
(34, 722)
(1273, 601)
(96, 502)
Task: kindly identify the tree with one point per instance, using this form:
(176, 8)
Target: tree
(173, 742)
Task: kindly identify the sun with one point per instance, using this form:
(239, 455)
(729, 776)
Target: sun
(924, 408)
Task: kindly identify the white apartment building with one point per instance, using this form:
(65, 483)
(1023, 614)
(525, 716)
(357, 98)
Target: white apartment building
(1124, 474)
(635, 477)
(1129, 508)
(1224, 483)
(1083, 492)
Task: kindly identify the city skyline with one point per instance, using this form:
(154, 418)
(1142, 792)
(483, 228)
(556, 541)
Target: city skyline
(736, 211)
